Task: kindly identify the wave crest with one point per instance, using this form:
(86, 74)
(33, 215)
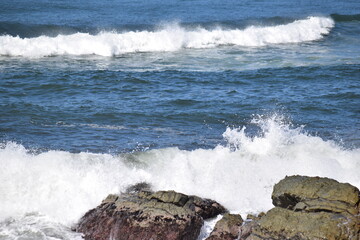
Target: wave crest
(170, 38)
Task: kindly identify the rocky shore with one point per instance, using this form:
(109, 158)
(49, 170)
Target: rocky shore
(305, 208)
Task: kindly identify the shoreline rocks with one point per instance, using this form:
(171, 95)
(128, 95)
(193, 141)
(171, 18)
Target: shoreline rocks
(280, 223)
(314, 194)
(305, 208)
(308, 208)
(147, 215)
(227, 228)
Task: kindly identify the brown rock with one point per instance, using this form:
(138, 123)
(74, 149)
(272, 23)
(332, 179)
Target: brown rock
(145, 215)
(207, 208)
(227, 228)
(246, 229)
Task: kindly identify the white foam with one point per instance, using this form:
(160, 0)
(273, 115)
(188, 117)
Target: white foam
(170, 38)
(62, 186)
(59, 184)
(208, 227)
(34, 226)
(241, 175)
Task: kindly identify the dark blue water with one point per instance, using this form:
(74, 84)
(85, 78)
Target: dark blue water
(203, 97)
(180, 96)
(107, 110)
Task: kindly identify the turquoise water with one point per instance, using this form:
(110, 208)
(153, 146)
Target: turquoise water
(218, 99)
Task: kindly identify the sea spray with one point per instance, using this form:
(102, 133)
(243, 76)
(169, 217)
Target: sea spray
(54, 188)
(35, 226)
(170, 38)
(59, 184)
(240, 175)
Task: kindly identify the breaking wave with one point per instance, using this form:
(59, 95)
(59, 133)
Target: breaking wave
(62, 186)
(172, 37)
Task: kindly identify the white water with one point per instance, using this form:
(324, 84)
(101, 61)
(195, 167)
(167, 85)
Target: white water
(42, 195)
(170, 38)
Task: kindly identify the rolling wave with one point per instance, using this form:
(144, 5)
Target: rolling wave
(172, 37)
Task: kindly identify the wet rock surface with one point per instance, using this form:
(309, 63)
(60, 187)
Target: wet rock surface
(315, 194)
(280, 223)
(227, 228)
(308, 208)
(147, 215)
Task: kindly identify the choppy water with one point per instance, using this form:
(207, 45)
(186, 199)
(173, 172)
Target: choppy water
(218, 99)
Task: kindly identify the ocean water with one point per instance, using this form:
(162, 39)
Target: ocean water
(218, 99)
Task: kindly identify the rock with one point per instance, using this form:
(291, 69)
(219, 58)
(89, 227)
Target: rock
(246, 229)
(227, 228)
(280, 223)
(308, 208)
(314, 194)
(141, 214)
(172, 197)
(251, 217)
(141, 186)
(207, 208)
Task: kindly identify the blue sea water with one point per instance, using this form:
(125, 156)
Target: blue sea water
(198, 96)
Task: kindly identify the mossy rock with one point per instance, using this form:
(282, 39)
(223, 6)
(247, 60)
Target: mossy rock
(316, 194)
(172, 197)
(280, 223)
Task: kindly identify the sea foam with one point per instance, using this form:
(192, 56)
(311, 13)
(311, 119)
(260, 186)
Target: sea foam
(172, 37)
(62, 186)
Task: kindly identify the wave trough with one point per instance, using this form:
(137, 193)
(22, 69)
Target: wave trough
(170, 38)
